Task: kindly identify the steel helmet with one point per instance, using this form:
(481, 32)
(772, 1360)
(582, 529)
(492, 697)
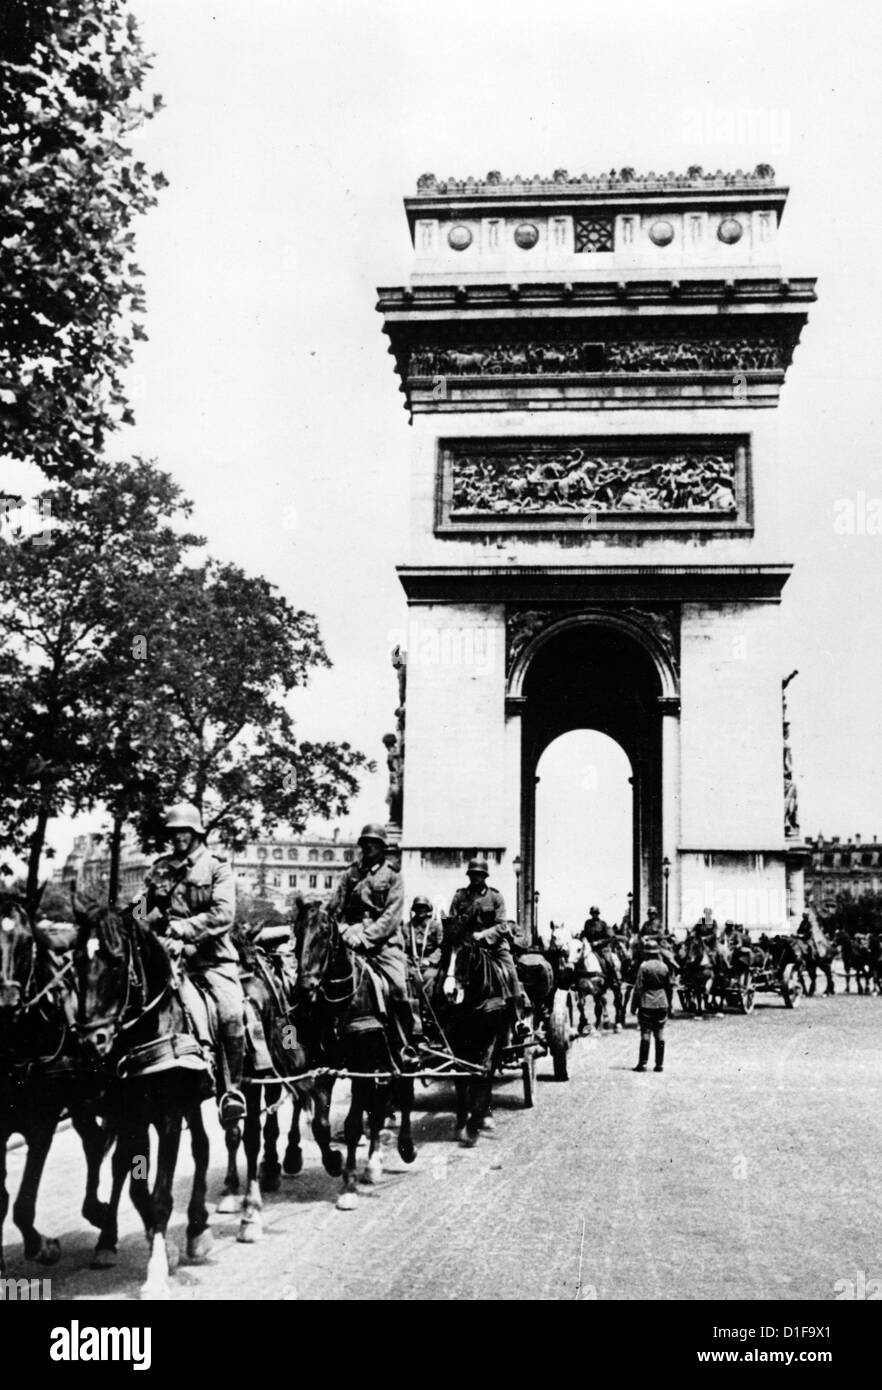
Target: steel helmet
(594, 912)
(372, 831)
(421, 902)
(477, 866)
(184, 817)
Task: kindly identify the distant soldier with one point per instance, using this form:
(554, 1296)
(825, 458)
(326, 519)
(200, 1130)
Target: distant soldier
(191, 893)
(805, 931)
(650, 1002)
(423, 941)
(652, 925)
(596, 930)
(369, 905)
(478, 911)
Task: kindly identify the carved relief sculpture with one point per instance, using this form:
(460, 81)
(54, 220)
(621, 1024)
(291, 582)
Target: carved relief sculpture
(755, 354)
(575, 480)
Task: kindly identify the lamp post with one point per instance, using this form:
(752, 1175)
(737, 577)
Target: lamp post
(631, 911)
(666, 870)
(516, 865)
(535, 931)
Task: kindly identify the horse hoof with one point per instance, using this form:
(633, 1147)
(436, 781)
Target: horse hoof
(334, 1163)
(271, 1181)
(488, 1124)
(49, 1252)
(617, 1028)
(229, 1202)
(406, 1150)
(469, 1140)
(373, 1170)
(250, 1230)
(293, 1163)
(103, 1258)
(347, 1201)
(461, 1135)
(172, 1254)
(199, 1247)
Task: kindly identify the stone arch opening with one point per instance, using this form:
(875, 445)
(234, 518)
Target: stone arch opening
(600, 676)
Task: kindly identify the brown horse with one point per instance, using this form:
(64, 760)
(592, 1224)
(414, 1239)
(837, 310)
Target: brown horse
(38, 1074)
(134, 1031)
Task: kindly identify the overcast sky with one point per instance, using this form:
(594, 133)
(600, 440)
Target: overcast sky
(291, 133)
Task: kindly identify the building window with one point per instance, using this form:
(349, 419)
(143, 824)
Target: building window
(328, 855)
(313, 856)
(313, 881)
(292, 854)
(292, 880)
(347, 855)
(329, 882)
(277, 881)
(277, 854)
(261, 854)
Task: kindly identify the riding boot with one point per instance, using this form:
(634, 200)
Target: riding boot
(232, 1103)
(644, 1055)
(659, 1054)
(403, 1015)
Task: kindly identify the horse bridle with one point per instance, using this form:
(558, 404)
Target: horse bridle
(134, 984)
(24, 1004)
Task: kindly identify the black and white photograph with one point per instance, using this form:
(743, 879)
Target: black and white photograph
(440, 749)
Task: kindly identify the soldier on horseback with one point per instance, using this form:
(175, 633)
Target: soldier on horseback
(478, 912)
(369, 905)
(596, 930)
(191, 894)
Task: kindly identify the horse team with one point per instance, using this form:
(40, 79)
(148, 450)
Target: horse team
(109, 1031)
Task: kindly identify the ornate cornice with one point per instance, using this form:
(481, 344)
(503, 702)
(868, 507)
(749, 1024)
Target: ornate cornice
(762, 177)
(535, 586)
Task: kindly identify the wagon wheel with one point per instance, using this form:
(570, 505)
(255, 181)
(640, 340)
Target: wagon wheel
(559, 1022)
(747, 1000)
(528, 1072)
(791, 987)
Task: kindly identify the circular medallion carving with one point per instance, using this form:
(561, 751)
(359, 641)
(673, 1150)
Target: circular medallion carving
(661, 233)
(730, 230)
(459, 237)
(526, 236)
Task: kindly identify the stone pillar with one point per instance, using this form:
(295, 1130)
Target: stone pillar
(670, 809)
(513, 885)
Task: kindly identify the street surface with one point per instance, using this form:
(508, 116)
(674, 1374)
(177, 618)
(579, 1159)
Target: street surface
(748, 1170)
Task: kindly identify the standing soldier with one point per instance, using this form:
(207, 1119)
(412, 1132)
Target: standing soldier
(650, 1002)
(652, 925)
(192, 892)
(479, 912)
(369, 905)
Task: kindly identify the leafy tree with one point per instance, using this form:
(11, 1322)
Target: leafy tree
(131, 679)
(855, 915)
(63, 605)
(70, 188)
(221, 668)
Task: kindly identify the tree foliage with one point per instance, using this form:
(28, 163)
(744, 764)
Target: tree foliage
(132, 676)
(70, 188)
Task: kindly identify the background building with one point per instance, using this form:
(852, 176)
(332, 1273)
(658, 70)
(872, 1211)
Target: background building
(840, 869)
(272, 868)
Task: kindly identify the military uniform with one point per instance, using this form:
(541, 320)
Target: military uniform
(372, 896)
(423, 942)
(596, 930)
(479, 913)
(650, 1001)
(202, 905)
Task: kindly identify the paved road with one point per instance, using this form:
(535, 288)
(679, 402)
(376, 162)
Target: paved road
(748, 1170)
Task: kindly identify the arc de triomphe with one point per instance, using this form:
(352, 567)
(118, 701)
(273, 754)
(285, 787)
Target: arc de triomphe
(590, 367)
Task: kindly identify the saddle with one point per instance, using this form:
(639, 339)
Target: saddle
(202, 1011)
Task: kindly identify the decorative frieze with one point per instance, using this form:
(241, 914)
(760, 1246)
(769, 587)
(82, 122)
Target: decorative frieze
(757, 353)
(594, 234)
